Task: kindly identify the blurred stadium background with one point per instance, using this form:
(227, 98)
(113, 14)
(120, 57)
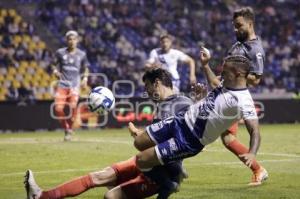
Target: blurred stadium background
(118, 36)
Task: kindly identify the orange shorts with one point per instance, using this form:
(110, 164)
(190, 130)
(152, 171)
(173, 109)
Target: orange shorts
(132, 181)
(234, 128)
(66, 96)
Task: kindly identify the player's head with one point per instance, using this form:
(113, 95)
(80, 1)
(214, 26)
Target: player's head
(156, 81)
(235, 68)
(72, 39)
(243, 22)
(165, 42)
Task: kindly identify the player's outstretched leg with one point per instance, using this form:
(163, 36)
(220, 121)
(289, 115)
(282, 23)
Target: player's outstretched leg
(231, 143)
(32, 189)
(68, 189)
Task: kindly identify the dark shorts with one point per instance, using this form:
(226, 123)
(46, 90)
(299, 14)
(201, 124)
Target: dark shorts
(173, 139)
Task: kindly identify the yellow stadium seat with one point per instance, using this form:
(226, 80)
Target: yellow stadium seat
(2, 97)
(16, 84)
(39, 96)
(41, 45)
(27, 77)
(24, 64)
(12, 70)
(3, 12)
(17, 39)
(12, 12)
(47, 96)
(26, 38)
(33, 64)
(10, 77)
(31, 46)
(1, 20)
(21, 70)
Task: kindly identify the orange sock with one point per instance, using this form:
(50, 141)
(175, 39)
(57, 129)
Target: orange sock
(71, 188)
(238, 149)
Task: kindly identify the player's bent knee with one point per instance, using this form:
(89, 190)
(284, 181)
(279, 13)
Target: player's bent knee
(138, 144)
(105, 177)
(227, 138)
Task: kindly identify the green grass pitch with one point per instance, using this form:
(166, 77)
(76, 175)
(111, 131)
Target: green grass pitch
(214, 173)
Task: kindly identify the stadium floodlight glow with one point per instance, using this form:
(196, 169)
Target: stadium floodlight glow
(116, 85)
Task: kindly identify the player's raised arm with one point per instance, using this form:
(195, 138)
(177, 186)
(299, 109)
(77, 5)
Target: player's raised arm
(212, 79)
(252, 127)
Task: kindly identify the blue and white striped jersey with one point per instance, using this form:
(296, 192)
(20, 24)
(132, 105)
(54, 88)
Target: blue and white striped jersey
(211, 116)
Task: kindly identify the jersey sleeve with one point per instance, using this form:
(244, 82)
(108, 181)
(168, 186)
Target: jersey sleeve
(257, 62)
(152, 56)
(181, 56)
(248, 111)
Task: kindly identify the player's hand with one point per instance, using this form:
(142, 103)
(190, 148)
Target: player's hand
(133, 130)
(204, 56)
(249, 157)
(57, 73)
(200, 90)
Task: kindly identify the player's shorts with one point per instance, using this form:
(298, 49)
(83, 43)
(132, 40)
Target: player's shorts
(65, 96)
(173, 139)
(133, 183)
(234, 128)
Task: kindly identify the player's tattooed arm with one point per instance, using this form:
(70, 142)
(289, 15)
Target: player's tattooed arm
(212, 79)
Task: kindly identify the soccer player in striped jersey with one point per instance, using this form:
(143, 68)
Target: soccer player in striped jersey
(125, 178)
(249, 45)
(186, 134)
(69, 63)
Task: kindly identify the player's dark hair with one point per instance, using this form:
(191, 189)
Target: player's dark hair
(158, 73)
(239, 62)
(246, 12)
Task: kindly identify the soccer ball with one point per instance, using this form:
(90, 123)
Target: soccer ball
(101, 100)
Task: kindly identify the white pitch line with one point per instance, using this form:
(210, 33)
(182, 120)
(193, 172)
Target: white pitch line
(95, 169)
(271, 154)
(110, 140)
(238, 162)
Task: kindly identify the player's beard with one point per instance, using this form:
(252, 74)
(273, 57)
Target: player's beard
(242, 36)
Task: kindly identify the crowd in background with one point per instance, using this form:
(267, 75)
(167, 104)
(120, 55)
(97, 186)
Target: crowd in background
(118, 35)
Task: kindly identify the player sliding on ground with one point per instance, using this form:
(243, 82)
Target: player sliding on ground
(185, 135)
(125, 178)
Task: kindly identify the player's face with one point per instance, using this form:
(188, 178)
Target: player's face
(72, 41)
(166, 43)
(152, 90)
(241, 28)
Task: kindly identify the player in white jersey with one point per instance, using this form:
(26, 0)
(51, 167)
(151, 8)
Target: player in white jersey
(168, 58)
(185, 135)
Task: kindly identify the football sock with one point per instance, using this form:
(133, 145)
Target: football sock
(238, 149)
(71, 188)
